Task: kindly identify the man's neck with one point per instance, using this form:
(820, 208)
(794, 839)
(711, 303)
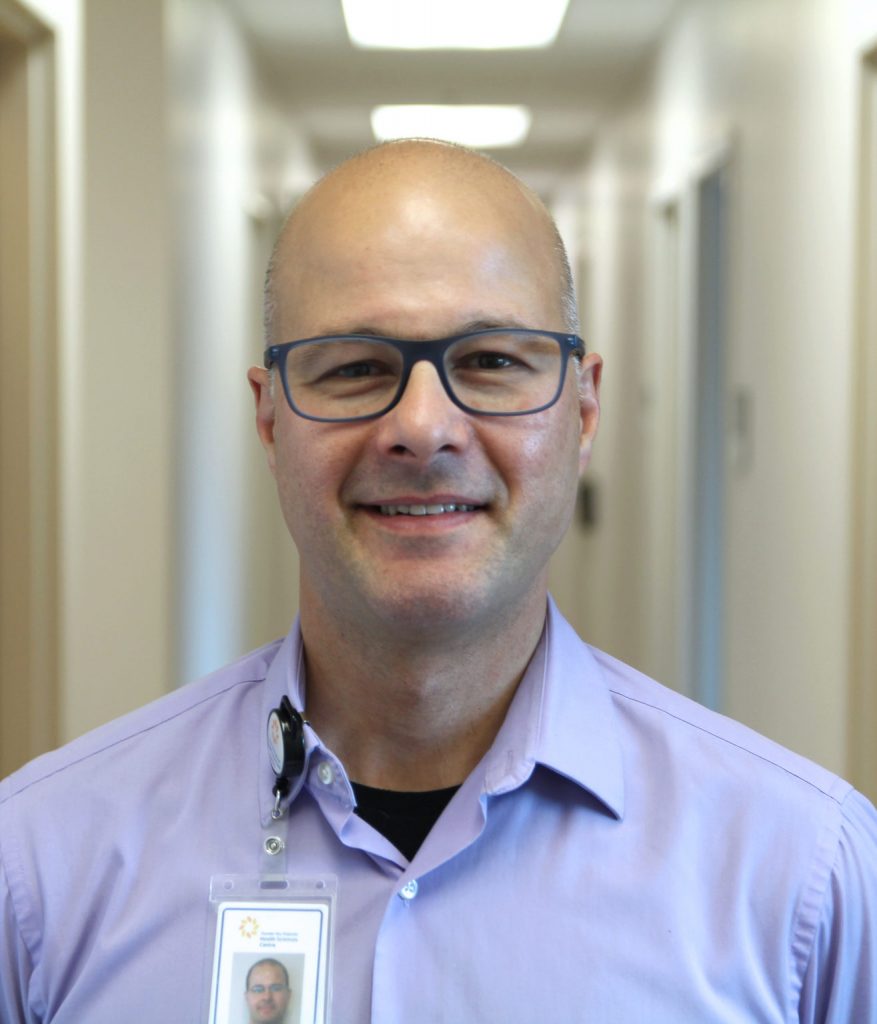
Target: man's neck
(414, 715)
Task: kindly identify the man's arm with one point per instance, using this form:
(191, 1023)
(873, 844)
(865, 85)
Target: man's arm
(15, 964)
(840, 981)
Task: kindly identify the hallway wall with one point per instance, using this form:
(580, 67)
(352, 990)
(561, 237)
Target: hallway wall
(233, 160)
(780, 92)
(172, 169)
(113, 341)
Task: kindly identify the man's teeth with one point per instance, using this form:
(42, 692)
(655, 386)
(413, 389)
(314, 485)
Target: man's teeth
(423, 510)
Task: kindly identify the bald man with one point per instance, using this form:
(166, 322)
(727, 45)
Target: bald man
(267, 992)
(520, 827)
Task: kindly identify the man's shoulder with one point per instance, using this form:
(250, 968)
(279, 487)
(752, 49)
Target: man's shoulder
(681, 730)
(175, 719)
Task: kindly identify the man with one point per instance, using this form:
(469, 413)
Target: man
(267, 992)
(521, 828)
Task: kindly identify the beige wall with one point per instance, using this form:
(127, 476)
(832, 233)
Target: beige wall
(113, 355)
(236, 165)
(167, 196)
(119, 415)
(774, 81)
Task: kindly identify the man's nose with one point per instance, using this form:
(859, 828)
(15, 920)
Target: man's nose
(425, 420)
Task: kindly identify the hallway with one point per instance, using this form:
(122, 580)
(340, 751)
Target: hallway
(712, 166)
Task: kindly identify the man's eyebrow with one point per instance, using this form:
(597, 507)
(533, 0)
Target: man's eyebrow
(482, 324)
(370, 331)
(490, 325)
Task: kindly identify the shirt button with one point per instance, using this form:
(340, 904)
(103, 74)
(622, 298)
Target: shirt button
(409, 890)
(325, 773)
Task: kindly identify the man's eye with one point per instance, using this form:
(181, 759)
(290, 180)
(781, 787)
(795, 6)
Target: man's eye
(352, 371)
(488, 361)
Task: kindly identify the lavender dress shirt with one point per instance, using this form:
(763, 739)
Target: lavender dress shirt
(619, 855)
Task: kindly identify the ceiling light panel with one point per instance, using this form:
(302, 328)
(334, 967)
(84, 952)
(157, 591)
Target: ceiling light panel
(482, 127)
(453, 24)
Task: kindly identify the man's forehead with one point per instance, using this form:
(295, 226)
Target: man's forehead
(266, 970)
(403, 221)
(420, 182)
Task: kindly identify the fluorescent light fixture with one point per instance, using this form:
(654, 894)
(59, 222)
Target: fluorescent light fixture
(481, 127)
(453, 24)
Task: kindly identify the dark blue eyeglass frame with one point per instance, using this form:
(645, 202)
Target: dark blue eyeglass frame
(432, 352)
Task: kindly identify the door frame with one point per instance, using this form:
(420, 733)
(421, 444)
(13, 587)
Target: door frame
(28, 390)
(673, 586)
(862, 720)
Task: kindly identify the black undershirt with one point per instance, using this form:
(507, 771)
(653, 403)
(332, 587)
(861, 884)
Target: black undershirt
(403, 818)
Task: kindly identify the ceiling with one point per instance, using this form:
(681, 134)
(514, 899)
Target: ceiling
(315, 75)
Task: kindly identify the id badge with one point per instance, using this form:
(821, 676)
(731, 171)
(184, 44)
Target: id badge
(272, 958)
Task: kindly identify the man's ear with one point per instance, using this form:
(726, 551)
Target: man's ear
(589, 376)
(260, 384)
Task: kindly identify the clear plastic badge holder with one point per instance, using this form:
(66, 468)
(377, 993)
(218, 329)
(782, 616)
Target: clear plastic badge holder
(276, 933)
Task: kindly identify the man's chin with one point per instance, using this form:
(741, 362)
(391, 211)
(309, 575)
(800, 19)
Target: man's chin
(427, 607)
(419, 600)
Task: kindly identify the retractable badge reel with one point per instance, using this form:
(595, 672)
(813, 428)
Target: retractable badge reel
(286, 749)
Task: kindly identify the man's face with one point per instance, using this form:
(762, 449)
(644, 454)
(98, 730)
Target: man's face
(407, 261)
(267, 1005)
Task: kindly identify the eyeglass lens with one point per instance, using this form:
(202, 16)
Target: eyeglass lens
(499, 372)
(257, 990)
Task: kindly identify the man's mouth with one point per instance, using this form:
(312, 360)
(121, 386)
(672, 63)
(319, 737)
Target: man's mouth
(424, 510)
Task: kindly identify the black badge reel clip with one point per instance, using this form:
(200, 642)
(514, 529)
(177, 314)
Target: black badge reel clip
(286, 749)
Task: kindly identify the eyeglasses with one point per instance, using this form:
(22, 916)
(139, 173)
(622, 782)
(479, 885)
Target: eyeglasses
(495, 372)
(259, 990)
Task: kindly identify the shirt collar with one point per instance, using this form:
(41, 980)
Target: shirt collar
(561, 717)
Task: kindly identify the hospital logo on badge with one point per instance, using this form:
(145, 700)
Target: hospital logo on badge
(249, 927)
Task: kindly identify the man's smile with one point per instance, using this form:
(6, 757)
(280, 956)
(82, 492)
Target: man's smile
(424, 510)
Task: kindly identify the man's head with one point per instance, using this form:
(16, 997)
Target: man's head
(267, 992)
(421, 241)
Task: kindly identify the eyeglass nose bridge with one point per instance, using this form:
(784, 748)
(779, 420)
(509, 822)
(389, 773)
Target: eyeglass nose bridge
(432, 352)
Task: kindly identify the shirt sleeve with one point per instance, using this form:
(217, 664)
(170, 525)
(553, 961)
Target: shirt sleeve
(15, 962)
(840, 982)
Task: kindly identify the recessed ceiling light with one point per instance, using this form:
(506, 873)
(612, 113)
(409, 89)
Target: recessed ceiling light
(453, 24)
(482, 127)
